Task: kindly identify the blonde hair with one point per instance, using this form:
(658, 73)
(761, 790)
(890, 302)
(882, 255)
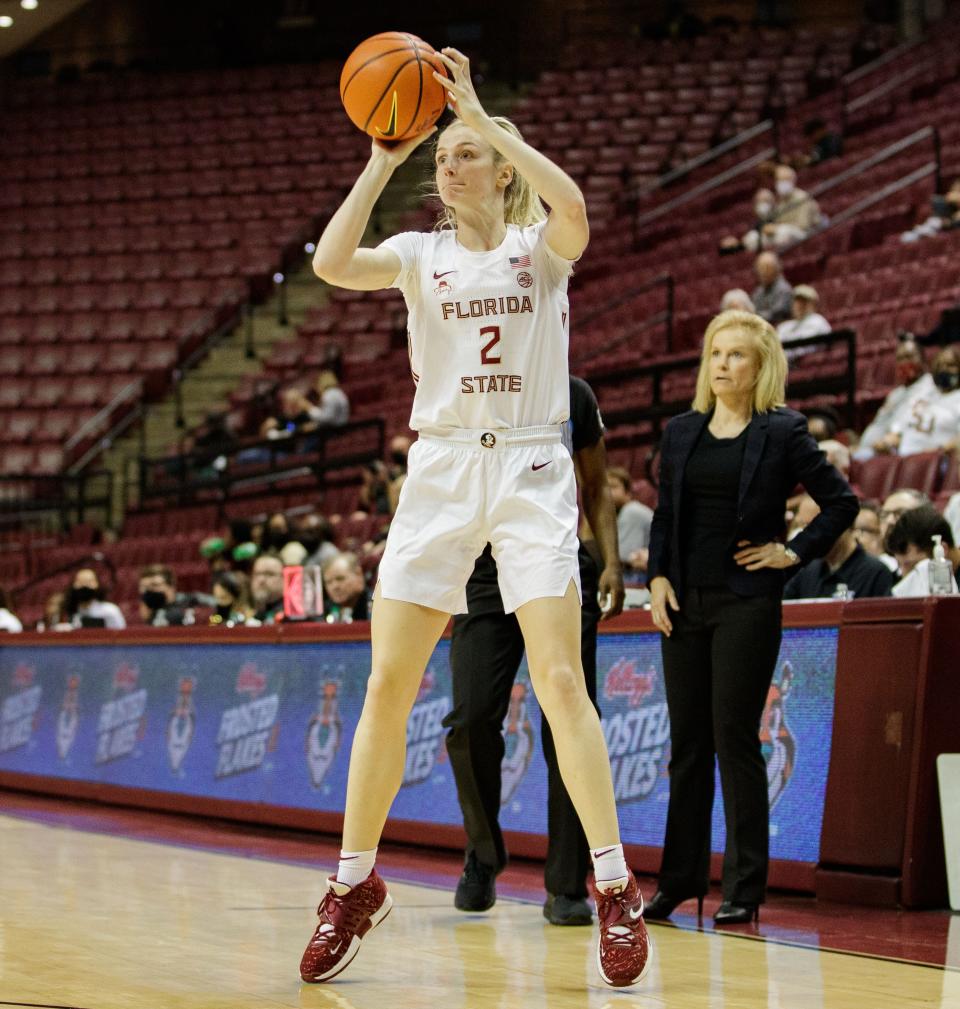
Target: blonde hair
(770, 389)
(522, 205)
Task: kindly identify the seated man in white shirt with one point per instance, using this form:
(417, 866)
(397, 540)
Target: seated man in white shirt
(806, 321)
(932, 422)
(912, 381)
(911, 542)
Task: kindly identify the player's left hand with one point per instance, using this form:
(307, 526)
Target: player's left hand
(460, 91)
(763, 555)
(611, 593)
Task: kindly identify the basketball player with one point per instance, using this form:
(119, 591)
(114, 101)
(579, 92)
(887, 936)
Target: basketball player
(485, 653)
(487, 308)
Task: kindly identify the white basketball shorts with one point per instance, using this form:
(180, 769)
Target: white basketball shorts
(514, 489)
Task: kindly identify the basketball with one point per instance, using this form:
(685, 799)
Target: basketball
(387, 86)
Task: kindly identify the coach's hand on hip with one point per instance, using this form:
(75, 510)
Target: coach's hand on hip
(754, 556)
(662, 596)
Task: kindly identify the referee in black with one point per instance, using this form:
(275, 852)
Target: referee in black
(485, 653)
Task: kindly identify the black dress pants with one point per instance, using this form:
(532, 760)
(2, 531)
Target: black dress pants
(485, 654)
(718, 665)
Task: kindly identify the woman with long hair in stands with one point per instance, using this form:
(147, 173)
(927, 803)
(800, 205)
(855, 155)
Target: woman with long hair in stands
(488, 330)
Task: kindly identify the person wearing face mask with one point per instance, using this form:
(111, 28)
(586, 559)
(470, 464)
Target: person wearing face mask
(160, 603)
(795, 215)
(315, 532)
(231, 590)
(932, 422)
(912, 381)
(764, 202)
(276, 533)
(85, 605)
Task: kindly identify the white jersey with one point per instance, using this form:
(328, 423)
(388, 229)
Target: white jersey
(488, 331)
(932, 422)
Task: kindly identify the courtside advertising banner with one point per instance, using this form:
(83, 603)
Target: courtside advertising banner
(273, 724)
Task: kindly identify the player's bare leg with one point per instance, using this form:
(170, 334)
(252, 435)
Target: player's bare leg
(551, 630)
(403, 636)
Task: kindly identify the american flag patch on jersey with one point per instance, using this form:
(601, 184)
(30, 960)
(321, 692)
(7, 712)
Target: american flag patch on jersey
(519, 262)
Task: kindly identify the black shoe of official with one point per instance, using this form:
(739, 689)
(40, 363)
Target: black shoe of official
(563, 910)
(476, 890)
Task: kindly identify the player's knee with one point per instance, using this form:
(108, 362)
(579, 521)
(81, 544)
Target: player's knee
(561, 687)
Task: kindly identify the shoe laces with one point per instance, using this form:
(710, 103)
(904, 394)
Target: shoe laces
(618, 934)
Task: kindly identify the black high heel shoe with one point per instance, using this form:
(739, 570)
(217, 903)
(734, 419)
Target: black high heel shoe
(736, 914)
(661, 906)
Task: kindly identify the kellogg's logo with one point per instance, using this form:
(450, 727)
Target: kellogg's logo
(425, 732)
(248, 732)
(20, 714)
(123, 719)
(638, 737)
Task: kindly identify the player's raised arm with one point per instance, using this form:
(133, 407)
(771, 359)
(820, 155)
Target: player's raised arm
(339, 260)
(567, 231)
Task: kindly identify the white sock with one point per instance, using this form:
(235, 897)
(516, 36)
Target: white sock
(355, 866)
(610, 867)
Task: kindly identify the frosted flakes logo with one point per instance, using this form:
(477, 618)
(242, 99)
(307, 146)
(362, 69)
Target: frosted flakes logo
(20, 714)
(180, 728)
(637, 737)
(425, 732)
(123, 721)
(68, 720)
(324, 733)
(248, 732)
(518, 743)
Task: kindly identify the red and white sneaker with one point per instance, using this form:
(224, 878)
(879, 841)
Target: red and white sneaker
(623, 953)
(346, 915)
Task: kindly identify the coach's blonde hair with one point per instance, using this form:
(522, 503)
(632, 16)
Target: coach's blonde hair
(521, 204)
(771, 388)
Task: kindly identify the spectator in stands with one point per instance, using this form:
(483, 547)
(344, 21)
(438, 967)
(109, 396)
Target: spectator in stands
(231, 592)
(345, 594)
(54, 613)
(824, 143)
(911, 543)
(945, 215)
(212, 439)
(275, 534)
(86, 605)
(952, 514)
(894, 506)
(266, 589)
(913, 380)
(867, 529)
(736, 299)
(764, 202)
(846, 563)
(633, 519)
(823, 422)
(160, 603)
(294, 416)
(773, 296)
(805, 319)
(374, 497)
(932, 422)
(333, 408)
(315, 532)
(8, 619)
(796, 214)
(398, 451)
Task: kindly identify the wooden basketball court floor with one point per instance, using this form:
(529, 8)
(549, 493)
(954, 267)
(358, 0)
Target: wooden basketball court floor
(95, 920)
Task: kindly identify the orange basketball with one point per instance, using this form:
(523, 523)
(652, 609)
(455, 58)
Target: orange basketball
(387, 86)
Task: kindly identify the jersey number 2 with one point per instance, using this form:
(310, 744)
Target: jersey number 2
(486, 354)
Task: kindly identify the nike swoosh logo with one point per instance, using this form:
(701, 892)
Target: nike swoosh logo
(606, 851)
(391, 130)
(437, 276)
(537, 466)
(635, 914)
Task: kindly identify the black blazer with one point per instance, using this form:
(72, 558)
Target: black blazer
(780, 453)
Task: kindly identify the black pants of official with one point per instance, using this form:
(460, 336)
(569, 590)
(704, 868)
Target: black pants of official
(718, 665)
(485, 654)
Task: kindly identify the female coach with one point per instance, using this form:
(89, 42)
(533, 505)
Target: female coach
(488, 329)
(717, 559)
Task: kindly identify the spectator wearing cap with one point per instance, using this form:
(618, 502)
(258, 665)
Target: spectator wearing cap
(805, 319)
(913, 381)
(736, 299)
(773, 295)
